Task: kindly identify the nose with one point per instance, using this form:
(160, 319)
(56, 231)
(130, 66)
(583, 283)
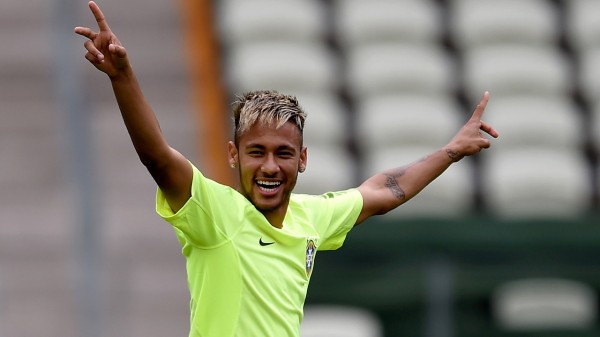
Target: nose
(270, 165)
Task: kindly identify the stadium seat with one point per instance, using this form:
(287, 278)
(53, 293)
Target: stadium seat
(595, 139)
(450, 195)
(405, 21)
(330, 165)
(393, 68)
(251, 21)
(589, 74)
(544, 304)
(284, 66)
(329, 168)
(407, 120)
(339, 321)
(516, 70)
(536, 183)
(531, 122)
(474, 23)
(581, 23)
(327, 120)
(597, 185)
(595, 127)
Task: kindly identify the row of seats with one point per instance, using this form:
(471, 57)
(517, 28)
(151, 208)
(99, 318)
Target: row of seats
(521, 305)
(396, 79)
(270, 44)
(389, 31)
(404, 65)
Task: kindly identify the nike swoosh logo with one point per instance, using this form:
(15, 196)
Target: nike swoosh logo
(262, 243)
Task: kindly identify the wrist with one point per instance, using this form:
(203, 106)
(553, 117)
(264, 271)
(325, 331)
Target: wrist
(121, 75)
(453, 153)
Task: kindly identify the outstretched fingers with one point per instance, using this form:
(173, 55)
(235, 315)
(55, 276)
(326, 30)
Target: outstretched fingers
(478, 113)
(489, 130)
(481, 106)
(86, 32)
(89, 44)
(99, 16)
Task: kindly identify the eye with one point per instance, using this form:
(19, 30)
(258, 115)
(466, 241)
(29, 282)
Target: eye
(255, 153)
(286, 154)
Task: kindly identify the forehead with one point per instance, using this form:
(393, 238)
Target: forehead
(269, 135)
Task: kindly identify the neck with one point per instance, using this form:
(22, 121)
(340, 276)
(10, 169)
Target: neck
(275, 217)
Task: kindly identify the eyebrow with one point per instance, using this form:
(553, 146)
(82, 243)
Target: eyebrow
(279, 148)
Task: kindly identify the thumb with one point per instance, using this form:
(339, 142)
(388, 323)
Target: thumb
(117, 51)
(118, 55)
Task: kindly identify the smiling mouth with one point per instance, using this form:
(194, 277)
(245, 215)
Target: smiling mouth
(268, 186)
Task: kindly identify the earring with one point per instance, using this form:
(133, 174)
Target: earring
(301, 169)
(232, 165)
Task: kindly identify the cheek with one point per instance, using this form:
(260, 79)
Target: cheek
(246, 172)
(292, 169)
(246, 181)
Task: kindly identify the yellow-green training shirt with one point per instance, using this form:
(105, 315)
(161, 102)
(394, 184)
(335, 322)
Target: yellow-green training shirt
(246, 277)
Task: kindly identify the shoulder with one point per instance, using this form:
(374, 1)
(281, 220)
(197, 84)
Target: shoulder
(211, 197)
(323, 201)
(204, 186)
(348, 194)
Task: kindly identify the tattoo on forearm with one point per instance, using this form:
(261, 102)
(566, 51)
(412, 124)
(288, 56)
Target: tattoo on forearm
(391, 181)
(392, 184)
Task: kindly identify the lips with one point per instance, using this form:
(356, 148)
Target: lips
(268, 187)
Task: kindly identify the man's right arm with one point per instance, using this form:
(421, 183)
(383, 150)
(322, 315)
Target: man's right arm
(169, 168)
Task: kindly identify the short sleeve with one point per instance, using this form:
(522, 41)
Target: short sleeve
(337, 216)
(196, 222)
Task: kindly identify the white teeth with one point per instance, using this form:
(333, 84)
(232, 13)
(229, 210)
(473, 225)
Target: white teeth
(269, 183)
(268, 186)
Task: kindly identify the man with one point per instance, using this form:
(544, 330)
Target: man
(250, 252)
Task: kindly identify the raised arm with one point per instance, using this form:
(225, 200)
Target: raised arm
(170, 169)
(391, 188)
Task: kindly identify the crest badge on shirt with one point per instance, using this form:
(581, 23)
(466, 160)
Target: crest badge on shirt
(311, 250)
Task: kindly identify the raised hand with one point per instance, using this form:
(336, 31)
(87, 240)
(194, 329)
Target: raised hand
(104, 50)
(469, 140)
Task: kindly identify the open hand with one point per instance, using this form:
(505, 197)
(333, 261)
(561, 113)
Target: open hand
(469, 140)
(104, 50)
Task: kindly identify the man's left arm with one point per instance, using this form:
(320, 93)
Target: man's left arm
(391, 188)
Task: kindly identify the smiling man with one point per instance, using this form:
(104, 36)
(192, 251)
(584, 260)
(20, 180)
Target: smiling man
(250, 252)
(268, 149)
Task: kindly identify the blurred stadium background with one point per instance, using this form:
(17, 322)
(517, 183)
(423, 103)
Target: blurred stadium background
(503, 244)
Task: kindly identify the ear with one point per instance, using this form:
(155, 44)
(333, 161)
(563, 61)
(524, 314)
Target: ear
(303, 159)
(232, 154)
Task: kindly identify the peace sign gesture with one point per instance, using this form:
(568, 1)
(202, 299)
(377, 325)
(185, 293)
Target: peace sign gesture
(104, 50)
(469, 140)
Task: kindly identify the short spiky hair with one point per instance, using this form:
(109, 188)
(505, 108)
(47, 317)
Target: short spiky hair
(266, 107)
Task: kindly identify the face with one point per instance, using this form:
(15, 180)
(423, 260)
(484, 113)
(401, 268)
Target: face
(269, 160)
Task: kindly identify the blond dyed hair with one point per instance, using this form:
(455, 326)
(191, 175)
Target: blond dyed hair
(266, 107)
